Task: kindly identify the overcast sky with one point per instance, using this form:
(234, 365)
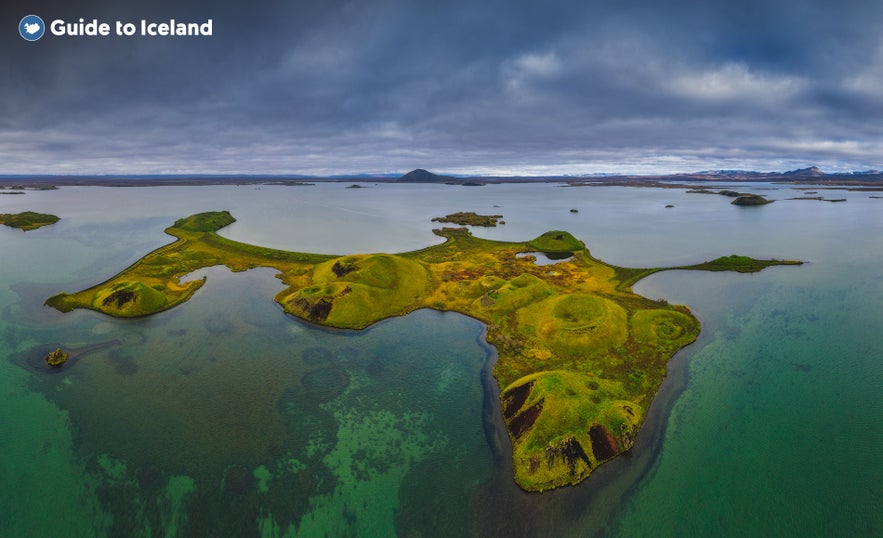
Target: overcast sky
(487, 87)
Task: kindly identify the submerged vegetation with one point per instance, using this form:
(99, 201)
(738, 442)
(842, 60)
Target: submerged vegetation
(580, 355)
(27, 220)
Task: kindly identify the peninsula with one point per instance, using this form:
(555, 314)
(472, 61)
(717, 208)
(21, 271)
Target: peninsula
(580, 355)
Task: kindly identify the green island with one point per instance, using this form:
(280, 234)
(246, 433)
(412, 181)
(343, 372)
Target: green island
(56, 358)
(469, 218)
(751, 199)
(580, 356)
(27, 220)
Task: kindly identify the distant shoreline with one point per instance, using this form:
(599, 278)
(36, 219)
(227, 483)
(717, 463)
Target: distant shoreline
(858, 179)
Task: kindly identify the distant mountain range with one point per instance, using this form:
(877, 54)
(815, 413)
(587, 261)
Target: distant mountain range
(803, 175)
(811, 174)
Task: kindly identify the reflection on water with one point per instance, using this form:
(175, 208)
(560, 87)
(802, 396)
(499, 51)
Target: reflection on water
(224, 416)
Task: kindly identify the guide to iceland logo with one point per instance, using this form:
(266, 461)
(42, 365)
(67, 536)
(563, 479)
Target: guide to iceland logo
(31, 28)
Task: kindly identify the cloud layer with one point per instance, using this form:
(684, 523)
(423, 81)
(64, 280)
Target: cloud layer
(500, 87)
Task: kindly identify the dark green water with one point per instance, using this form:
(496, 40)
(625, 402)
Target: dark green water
(226, 417)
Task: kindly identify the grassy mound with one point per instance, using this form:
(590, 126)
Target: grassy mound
(576, 325)
(356, 291)
(556, 241)
(663, 328)
(514, 294)
(129, 299)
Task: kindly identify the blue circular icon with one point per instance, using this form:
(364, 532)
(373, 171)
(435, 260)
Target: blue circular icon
(31, 28)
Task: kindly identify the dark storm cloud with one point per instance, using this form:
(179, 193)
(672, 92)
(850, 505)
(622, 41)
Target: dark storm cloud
(506, 87)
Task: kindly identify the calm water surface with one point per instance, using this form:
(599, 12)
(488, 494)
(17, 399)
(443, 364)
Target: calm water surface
(224, 416)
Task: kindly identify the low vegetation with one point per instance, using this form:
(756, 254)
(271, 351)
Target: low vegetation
(580, 355)
(468, 218)
(27, 220)
(741, 264)
(751, 199)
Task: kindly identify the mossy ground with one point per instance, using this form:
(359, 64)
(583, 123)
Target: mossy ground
(580, 355)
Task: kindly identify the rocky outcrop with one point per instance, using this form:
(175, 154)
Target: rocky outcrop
(56, 358)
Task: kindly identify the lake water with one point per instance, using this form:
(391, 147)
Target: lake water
(225, 416)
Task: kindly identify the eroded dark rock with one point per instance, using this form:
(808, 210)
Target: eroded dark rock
(120, 297)
(604, 445)
(340, 269)
(514, 398)
(570, 452)
(317, 311)
(525, 420)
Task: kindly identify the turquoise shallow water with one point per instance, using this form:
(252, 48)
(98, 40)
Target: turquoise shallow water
(224, 416)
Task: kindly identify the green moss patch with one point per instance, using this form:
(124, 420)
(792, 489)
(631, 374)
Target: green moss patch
(663, 328)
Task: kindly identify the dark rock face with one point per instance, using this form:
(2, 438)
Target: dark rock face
(121, 297)
(570, 451)
(604, 445)
(342, 270)
(317, 311)
(514, 398)
(525, 420)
